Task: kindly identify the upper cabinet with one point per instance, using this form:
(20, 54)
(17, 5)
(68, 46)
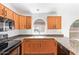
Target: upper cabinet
(25, 22)
(54, 22)
(16, 20)
(22, 20)
(6, 12)
(28, 22)
(58, 22)
(2, 10)
(9, 13)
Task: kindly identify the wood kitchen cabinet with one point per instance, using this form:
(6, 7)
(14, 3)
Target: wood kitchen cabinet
(16, 51)
(2, 10)
(51, 22)
(39, 47)
(25, 22)
(54, 22)
(6, 12)
(9, 13)
(22, 22)
(16, 20)
(58, 22)
(28, 22)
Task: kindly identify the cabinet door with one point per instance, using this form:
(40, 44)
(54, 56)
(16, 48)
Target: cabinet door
(30, 46)
(28, 22)
(9, 14)
(16, 51)
(16, 20)
(58, 22)
(2, 10)
(35, 46)
(22, 22)
(54, 22)
(51, 22)
(25, 22)
(48, 46)
(25, 47)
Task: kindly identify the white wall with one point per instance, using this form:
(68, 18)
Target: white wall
(69, 13)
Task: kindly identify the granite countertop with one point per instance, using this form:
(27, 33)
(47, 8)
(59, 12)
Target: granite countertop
(62, 40)
(66, 42)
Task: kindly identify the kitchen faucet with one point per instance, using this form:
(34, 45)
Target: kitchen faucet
(37, 30)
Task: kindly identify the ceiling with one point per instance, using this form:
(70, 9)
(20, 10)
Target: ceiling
(32, 8)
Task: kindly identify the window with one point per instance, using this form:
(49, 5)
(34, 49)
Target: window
(39, 26)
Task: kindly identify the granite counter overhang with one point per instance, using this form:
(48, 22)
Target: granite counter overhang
(60, 39)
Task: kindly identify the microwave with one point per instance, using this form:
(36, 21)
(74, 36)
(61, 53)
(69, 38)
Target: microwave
(6, 24)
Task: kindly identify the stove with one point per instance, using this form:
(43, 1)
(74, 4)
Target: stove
(3, 41)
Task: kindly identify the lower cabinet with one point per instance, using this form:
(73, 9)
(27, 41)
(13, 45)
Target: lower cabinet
(16, 51)
(39, 47)
(61, 50)
(43, 46)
